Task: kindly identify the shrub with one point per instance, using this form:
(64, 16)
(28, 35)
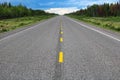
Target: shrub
(21, 24)
(1, 25)
(4, 30)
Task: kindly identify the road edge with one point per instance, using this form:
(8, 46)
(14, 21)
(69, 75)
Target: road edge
(110, 34)
(5, 34)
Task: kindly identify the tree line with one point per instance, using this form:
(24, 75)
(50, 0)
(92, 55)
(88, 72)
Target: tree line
(7, 10)
(103, 10)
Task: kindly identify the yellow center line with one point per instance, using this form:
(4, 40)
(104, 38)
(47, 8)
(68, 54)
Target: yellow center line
(61, 28)
(61, 39)
(61, 24)
(60, 57)
(61, 32)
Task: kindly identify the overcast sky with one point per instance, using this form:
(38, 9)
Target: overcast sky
(58, 6)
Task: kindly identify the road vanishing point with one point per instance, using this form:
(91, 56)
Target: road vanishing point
(60, 48)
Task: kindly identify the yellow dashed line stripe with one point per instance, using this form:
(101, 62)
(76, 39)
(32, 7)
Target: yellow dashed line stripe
(61, 39)
(60, 57)
(61, 32)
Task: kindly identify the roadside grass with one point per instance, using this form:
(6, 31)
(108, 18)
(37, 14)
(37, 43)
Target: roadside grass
(112, 23)
(11, 24)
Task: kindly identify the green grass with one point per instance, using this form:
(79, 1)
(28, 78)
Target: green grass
(11, 24)
(112, 23)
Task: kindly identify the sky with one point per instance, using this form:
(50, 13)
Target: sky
(58, 6)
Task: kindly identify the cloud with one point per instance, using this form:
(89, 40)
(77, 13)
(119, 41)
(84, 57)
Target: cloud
(62, 11)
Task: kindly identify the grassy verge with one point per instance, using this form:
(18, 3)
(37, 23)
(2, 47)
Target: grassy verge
(112, 23)
(11, 24)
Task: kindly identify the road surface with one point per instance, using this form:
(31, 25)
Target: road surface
(60, 49)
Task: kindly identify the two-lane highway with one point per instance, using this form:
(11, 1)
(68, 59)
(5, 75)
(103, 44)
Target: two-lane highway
(60, 49)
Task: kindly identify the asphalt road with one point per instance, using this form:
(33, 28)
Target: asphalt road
(60, 49)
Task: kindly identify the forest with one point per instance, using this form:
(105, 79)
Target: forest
(13, 17)
(101, 15)
(7, 10)
(103, 10)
